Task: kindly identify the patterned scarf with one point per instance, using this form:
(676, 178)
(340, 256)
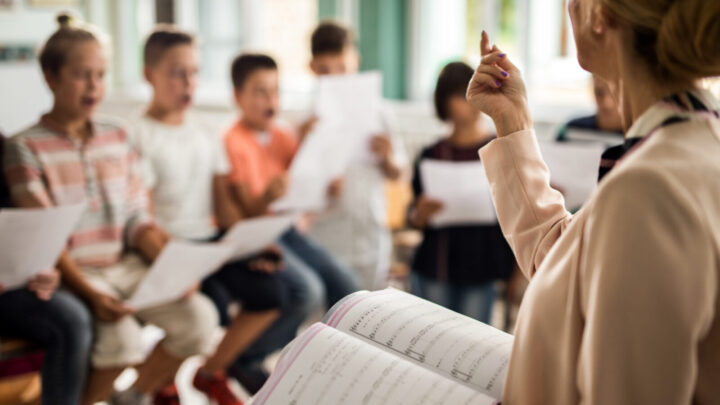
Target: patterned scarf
(682, 107)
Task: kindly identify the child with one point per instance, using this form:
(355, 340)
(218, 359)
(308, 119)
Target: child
(55, 319)
(69, 157)
(186, 169)
(355, 229)
(260, 154)
(606, 120)
(456, 266)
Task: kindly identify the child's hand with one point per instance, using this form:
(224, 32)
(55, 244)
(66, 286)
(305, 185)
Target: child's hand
(2, 288)
(335, 188)
(269, 261)
(425, 209)
(497, 89)
(381, 147)
(108, 308)
(277, 188)
(190, 291)
(306, 127)
(45, 284)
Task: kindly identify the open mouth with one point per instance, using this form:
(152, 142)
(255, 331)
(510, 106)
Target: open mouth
(186, 100)
(269, 113)
(88, 102)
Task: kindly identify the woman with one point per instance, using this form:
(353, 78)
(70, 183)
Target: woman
(623, 306)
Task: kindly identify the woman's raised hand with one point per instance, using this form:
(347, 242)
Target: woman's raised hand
(497, 89)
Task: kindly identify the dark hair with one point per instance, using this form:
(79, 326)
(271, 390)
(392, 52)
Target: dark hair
(164, 37)
(245, 64)
(53, 53)
(453, 81)
(330, 37)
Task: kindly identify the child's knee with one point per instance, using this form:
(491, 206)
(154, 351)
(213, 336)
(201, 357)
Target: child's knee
(189, 326)
(118, 344)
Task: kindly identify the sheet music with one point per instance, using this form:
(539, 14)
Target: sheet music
(252, 235)
(349, 112)
(441, 340)
(179, 266)
(31, 240)
(464, 190)
(573, 168)
(327, 367)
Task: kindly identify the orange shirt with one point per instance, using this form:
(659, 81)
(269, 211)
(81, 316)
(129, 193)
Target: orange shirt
(255, 163)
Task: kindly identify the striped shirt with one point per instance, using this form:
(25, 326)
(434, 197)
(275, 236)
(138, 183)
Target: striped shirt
(46, 167)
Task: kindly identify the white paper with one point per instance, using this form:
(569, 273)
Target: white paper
(573, 169)
(251, 236)
(589, 136)
(462, 188)
(31, 240)
(179, 266)
(349, 113)
(443, 341)
(324, 366)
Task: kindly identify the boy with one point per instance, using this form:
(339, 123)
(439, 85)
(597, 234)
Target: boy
(260, 154)
(360, 214)
(186, 169)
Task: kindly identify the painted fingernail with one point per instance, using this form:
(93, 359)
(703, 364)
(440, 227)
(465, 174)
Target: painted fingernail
(497, 83)
(502, 55)
(505, 74)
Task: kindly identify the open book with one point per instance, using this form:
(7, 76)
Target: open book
(390, 347)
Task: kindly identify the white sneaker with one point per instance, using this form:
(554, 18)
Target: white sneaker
(130, 397)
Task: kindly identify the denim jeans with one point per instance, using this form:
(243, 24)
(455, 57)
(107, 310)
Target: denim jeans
(474, 301)
(338, 280)
(314, 279)
(63, 326)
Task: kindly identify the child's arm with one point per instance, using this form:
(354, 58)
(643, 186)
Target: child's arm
(258, 206)
(382, 147)
(227, 211)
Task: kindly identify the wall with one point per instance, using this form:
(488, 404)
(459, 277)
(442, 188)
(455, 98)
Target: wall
(23, 94)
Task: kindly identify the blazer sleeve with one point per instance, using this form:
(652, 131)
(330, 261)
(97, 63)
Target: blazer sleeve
(532, 214)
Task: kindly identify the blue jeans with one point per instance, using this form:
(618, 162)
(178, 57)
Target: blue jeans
(63, 326)
(338, 280)
(474, 301)
(313, 279)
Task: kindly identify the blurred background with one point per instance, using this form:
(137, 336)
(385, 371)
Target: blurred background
(408, 40)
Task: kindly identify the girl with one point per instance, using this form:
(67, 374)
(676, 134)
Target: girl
(70, 157)
(457, 266)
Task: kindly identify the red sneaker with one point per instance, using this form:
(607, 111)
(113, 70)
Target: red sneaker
(168, 395)
(216, 388)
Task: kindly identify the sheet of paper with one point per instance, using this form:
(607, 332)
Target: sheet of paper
(31, 240)
(179, 266)
(253, 235)
(573, 169)
(437, 338)
(326, 367)
(349, 112)
(463, 189)
(599, 137)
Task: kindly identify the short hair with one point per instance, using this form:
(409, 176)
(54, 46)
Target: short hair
(330, 37)
(245, 64)
(453, 80)
(164, 37)
(69, 33)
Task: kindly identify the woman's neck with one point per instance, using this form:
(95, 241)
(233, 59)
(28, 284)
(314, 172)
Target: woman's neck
(637, 94)
(468, 134)
(75, 127)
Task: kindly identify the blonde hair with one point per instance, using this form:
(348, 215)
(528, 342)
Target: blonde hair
(69, 33)
(678, 39)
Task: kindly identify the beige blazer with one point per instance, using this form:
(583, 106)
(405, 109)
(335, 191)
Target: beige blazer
(623, 305)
